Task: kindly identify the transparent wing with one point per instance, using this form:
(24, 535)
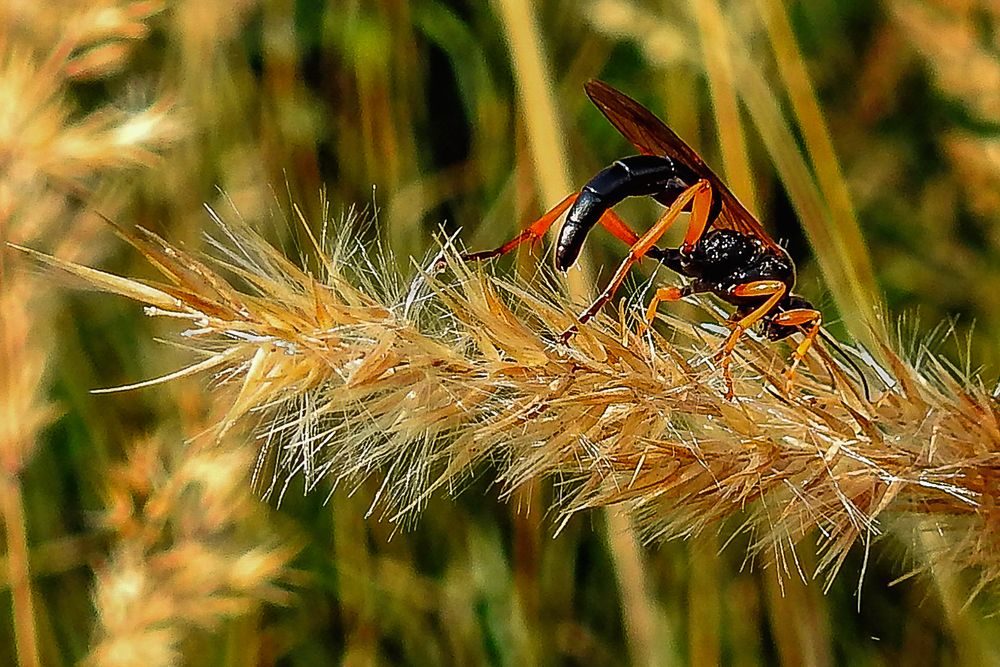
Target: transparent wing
(652, 136)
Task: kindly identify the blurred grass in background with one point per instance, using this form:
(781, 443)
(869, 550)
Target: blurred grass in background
(149, 110)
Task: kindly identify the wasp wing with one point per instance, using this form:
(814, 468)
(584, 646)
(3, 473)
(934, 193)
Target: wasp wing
(652, 137)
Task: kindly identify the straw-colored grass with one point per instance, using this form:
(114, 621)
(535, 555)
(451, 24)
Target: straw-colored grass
(49, 149)
(190, 550)
(356, 371)
(827, 118)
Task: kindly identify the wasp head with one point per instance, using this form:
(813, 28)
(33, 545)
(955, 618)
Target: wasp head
(774, 331)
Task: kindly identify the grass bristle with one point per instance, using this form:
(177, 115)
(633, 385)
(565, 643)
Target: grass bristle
(427, 381)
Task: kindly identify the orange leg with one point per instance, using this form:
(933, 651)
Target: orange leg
(799, 317)
(612, 222)
(533, 232)
(662, 294)
(700, 209)
(536, 230)
(642, 246)
(774, 290)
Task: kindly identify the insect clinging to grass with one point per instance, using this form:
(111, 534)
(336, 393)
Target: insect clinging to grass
(725, 250)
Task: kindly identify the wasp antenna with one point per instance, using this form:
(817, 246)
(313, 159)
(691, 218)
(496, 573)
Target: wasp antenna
(835, 345)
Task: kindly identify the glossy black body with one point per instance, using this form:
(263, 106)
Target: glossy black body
(659, 177)
(720, 261)
(724, 259)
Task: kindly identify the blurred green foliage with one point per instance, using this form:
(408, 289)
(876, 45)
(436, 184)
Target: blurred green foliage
(418, 100)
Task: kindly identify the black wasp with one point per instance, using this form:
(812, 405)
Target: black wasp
(725, 250)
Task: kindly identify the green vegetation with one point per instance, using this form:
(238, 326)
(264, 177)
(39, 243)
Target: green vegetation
(134, 529)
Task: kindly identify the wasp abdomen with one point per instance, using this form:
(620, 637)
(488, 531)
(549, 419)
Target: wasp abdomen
(635, 176)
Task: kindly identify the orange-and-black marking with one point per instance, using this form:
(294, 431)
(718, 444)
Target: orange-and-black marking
(725, 250)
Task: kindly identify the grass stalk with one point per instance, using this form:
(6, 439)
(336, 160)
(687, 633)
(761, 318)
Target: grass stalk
(844, 231)
(537, 100)
(548, 150)
(536, 97)
(847, 244)
(637, 607)
(704, 593)
(725, 101)
(25, 634)
(779, 140)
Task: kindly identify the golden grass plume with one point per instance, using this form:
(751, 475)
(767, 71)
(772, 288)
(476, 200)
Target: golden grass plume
(50, 146)
(352, 370)
(189, 551)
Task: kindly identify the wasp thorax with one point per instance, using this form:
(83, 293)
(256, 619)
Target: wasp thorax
(720, 251)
